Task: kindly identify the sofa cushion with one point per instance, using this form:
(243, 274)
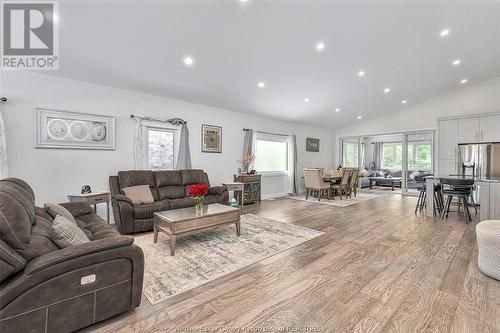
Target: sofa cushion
(66, 233)
(167, 178)
(146, 211)
(137, 177)
(139, 194)
(181, 203)
(171, 192)
(10, 261)
(17, 213)
(41, 241)
(78, 209)
(54, 209)
(211, 199)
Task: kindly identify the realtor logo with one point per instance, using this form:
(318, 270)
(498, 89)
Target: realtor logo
(29, 36)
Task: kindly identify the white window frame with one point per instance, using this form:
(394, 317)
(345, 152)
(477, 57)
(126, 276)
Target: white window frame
(275, 138)
(159, 127)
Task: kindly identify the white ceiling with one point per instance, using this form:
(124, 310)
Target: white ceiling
(140, 46)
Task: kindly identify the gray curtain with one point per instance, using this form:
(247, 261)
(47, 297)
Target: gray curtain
(362, 157)
(248, 144)
(377, 150)
(293, 167)
(4, 172)
(184, 156)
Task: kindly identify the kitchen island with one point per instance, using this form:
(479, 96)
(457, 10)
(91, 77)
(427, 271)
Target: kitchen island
(489, 189)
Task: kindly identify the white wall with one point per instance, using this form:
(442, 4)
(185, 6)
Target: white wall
(54, 173)
(480, 98)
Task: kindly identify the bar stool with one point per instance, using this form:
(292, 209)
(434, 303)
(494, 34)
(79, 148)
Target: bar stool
(422, 198)
(459, 188)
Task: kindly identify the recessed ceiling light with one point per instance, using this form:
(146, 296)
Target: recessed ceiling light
(456, 62)
(387, 90)
(404, 101)
(261, 84)
(306, 99)
(359, 117)
(337, 110)
(188, 61)
(243, 0)
(320, 46)
(361, 73)
(464, 81)
(444, 33)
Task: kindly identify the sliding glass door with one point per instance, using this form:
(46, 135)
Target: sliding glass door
(418, 158)
(351, 152)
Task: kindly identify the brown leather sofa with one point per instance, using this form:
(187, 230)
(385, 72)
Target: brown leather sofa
(41, 286)
(169, 189)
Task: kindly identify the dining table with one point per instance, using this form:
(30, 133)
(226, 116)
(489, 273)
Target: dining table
(332, 178)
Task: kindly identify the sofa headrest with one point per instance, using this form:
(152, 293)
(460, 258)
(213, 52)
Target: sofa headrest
(17, 212)
(135, 177)
(168, 178)
(194, 176)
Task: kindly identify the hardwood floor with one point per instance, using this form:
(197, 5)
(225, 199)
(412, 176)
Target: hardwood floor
(377, 268)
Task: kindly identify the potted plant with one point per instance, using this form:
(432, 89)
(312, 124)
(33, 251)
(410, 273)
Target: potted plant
(198, 191)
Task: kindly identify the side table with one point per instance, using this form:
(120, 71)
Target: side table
(238, 189)
(93, 198)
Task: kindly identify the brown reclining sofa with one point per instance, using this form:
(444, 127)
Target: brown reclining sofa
(169, 190)
(41, 287)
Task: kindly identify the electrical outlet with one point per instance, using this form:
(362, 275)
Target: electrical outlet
(87, 279)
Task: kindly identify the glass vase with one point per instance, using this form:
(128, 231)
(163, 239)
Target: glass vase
(199, 202)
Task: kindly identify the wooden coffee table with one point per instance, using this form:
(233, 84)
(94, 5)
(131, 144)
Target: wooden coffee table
(185, 221)
(385, 180)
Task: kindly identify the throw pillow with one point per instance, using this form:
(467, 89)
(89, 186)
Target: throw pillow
(140, 194)
(414, 174)
(66, 233)
(55, 209)
(365, 173)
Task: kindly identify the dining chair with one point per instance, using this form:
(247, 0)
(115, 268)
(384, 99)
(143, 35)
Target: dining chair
(343, 186)
(315, 183)
(353, 182)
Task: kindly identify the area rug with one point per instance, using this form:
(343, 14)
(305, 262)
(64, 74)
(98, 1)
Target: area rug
(361, 197)
(206, 256)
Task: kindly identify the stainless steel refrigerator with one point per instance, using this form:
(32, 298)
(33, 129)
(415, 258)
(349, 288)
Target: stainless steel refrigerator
(479, 160)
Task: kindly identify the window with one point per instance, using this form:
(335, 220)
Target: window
(160, 148)
(349, 154)
(420, 156)
(392, 156)
(271, 153)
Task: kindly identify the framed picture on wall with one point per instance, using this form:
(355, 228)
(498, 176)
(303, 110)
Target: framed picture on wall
(312, 145)
(211, 139)
(72, 130)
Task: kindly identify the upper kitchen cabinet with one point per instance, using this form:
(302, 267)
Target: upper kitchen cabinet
(468, 130)
(489, 128)
(448, 134)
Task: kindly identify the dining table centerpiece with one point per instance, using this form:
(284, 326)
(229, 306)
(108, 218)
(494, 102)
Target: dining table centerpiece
(198, 192)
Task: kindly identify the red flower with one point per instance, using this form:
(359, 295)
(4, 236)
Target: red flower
(198, 190)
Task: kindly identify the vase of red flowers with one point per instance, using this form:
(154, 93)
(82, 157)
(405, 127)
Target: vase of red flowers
(198, 191)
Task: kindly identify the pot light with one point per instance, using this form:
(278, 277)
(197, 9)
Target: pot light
(306, 99)
(444, 33)
(188, 61)
(387, 90)
(337, 110)
(464, 81)
(261, 84)
(320, 46)
(360, 117)
(456, 62)
(404, 101)
(361, 73)
(243, 0)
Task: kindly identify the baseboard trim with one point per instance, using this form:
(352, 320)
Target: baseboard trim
(274, 196)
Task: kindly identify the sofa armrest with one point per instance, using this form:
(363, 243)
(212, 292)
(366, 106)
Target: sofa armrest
(76, 251)
(217, 190)
(78, 208)
(122, 197)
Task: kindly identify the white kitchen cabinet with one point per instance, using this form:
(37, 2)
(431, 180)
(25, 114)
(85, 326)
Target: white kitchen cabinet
(447, 167)
(448, 139)
(468, 130)
(489, 128)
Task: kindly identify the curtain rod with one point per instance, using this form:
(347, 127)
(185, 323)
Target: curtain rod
(175, 121)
